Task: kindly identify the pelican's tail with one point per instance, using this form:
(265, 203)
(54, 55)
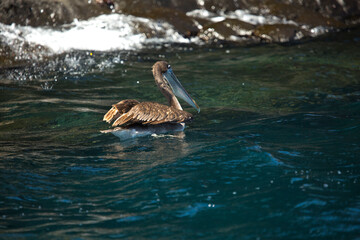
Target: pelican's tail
(113, 113)
(118, 109)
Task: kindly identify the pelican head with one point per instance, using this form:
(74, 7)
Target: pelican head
(167, 78)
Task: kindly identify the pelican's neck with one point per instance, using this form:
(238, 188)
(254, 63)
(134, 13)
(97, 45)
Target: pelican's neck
(173, 102)
(165, 89)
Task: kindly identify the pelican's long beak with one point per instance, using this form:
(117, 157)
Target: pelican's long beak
(178, 89)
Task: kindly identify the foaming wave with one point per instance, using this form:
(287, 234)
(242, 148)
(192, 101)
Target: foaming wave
(239, 14)
(102, 33)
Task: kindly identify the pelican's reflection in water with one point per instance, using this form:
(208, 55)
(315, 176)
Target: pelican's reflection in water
(139, 154)
(135, 131)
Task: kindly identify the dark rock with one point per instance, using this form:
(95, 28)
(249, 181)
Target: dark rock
(47, 12)
(331, 13)
(302, 15)
(226, 30)
(178, 19)
(224, 6)
(131, 6)
(280, 33)
(331, 9)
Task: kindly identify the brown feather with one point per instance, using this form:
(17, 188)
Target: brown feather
(152, 113)
(122, 119)
(125, 105)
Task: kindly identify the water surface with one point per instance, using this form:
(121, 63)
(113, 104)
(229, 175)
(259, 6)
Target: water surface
(274, 153)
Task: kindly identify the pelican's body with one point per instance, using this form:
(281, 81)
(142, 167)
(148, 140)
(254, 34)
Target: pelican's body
(131, 113)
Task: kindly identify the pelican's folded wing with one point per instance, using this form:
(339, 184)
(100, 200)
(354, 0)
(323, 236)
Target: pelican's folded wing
(152, 113)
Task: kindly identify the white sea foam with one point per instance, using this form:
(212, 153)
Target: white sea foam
(239, 14)
(102, 33)
(245, 16)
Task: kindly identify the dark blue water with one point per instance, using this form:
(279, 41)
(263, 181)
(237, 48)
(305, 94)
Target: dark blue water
(274, 153)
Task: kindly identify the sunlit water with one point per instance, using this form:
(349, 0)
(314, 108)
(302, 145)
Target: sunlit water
(274, 153)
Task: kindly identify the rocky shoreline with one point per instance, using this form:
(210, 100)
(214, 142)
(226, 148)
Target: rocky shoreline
(288, 21)
(330, 13)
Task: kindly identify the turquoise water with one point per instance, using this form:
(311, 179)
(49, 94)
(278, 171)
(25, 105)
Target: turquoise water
(273, 154)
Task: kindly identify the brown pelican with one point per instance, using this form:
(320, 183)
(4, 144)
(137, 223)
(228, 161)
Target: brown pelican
(132, 113)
